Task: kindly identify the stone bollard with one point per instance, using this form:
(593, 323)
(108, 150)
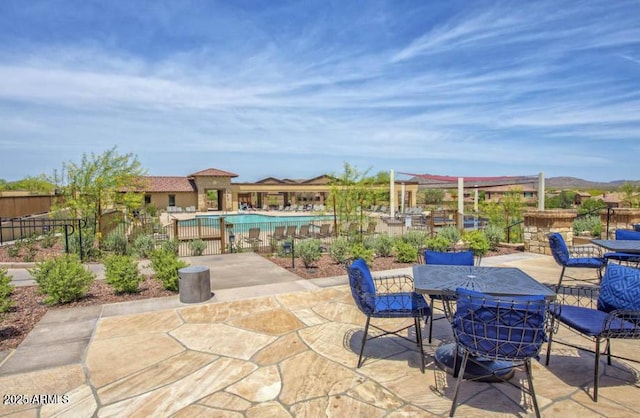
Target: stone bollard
(194, 284)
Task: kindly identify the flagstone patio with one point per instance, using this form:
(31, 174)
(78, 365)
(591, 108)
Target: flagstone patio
(294, 354)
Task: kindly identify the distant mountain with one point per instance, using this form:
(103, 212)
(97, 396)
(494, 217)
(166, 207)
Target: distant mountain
(576, 183)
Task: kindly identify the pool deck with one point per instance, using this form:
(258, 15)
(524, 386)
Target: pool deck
(271, 344)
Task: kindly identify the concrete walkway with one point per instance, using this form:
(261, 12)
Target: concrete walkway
(271, 344)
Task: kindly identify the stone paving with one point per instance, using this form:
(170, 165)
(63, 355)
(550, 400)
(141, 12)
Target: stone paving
(281, 354)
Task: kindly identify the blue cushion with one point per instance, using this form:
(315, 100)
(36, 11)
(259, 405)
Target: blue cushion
(628, 257)
(626, 234)
(586, 320)
(400, 305)
(620, 289)
(594, 262)
(558, 248)
(463, 258)
(367, 284)
(509, 327)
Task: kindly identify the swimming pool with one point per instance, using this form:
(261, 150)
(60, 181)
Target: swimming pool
(254, 218)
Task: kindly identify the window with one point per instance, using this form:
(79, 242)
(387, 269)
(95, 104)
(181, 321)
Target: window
(147, 199)
(172, 200)
(528, 194)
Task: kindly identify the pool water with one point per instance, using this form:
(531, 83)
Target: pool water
(252, 218)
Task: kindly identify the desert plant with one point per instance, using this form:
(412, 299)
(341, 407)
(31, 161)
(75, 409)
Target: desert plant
(438, 243)
(13, 250)
(309, 251)
(89, 251)
(172, 246)
(166, 265)
(477, 242)
(358, 250)
(30, 255)
(144, 245)
(197, 247)
(339, 250)
(405, 252)
(49, 239)
(495, 234)
(383, 245)
(589, 223)
(116, 242)
(121, 272)
(6, 289)
(451, 233)
(63, 279)
(416, 238)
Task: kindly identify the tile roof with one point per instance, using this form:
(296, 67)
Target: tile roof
(168, 184)
(213, 172)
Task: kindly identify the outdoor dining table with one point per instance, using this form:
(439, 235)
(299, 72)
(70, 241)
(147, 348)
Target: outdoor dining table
(619, 245)
(433, 279)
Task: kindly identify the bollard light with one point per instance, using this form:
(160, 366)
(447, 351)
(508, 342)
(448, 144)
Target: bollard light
(289, 248)
(232, 240)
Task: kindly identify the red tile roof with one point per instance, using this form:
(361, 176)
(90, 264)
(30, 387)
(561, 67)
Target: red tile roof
(213, 172)
(168, 184)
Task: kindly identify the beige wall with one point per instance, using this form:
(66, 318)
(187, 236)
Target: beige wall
(222, 184)
(183, 199)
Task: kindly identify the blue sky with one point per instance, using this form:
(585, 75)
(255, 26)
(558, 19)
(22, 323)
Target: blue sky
(296, 88)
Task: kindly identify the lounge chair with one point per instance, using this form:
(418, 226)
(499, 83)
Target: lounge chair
(253, 237)
(278, 233)
(291, 231)
(304, 232)
(325, 231)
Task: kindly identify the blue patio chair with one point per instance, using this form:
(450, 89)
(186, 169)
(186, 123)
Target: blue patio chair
(507, 328)
(620, 257)
(463, 258)
(386, 297)
(616, 313)
(576, 257)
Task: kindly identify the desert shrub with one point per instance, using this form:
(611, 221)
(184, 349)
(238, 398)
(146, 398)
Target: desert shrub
(416, 238)
(6, 288)
(89, 250)
(438, 243)
(116, 242)
(171, 245)
(49, 239)
(309, 251)
(197, 246)
(144, 245)
(31, 252)
(339, 250)
(63, 279)
(383, 245)
(358, 250)
(166, 265)
(495, 235)
(13, 250)
(369, 242)
(477, 242)
(121, 272)
(405, 252)
(451, 233)
(589, 223)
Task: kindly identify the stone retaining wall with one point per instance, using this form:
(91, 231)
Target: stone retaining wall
(538, 224)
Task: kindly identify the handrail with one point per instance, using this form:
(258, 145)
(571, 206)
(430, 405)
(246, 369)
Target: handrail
(508, 228)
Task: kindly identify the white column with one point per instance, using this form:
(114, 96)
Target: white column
(461, 202)
(475, 199)
(541, 191)
(392, 194)
(402, 190)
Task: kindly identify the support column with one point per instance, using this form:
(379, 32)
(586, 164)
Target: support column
(392, 194)
(541, 191)
(460, 220)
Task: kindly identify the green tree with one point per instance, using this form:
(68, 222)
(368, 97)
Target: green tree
(631, 194)
(563, 200)
(99, 182)
(433, 196)
(350, 193)
(591, 206)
